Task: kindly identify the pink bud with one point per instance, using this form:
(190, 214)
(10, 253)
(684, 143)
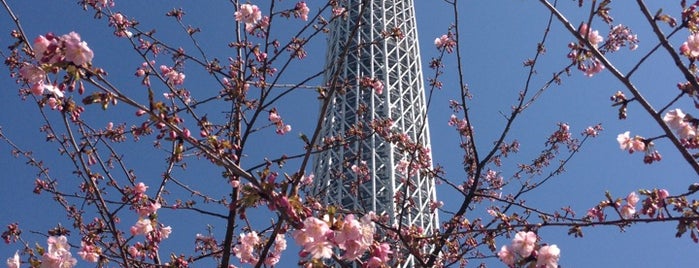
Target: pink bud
(37, 89)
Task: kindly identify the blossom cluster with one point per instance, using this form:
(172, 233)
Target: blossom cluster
(245, 250)
(629, 209)
(301, 10)
(638, 144)
(690, 48)
(276, 119)
(121, 25)
(58, 254)
(147, 223)
(651, 205)
(682, 123)
(51, 50)
(353, 236)
(445, 42)
(524, 249)
(251, 15)
(372, 83)
(580, 56)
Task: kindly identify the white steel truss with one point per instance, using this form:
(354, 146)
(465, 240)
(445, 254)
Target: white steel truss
(373, 53)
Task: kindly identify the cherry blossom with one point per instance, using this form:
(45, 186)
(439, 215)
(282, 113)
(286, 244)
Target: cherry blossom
(88, 252)
(635, 144)
(595, 68)
(275, 254)
(678, 120)
(547, 257)
(245, 249)
(593, 37)
(142, 226)
(524, 243)
(674, 118)
(690, 48)
(629, 210)
(338, 11)
(355, 237)
(140, 188)
(507, 256)
(76, 50)
(248, 14)
(165, 232)
(620, 36)
(32, 74)
(445, 42)
(42, 44)
(13, 262)
(276, 119)
(171, 75)
(58, 254)
(380, 255)
(302, 10)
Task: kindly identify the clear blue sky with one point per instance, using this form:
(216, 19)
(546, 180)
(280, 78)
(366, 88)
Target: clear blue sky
(497, 36)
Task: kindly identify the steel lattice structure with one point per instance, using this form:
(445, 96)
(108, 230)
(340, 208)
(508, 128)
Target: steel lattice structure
(383, 47)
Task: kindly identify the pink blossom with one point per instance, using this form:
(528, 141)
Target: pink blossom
(627, 143)
(76, 50)
(338, 11)
(274, 117)
(58, 254)
(248, 14)
(524, 243)
(594, 37)
(149, 209)
(663, 194)
(627, 211)
(507, 256)
(142, 227)
(687, 131)
(302, 10)
(355, 237)
(632, 199)
(245, 250)
(13, 262)
(691, 46)
(284, 129)
(314, 238)
(41, 45)
(675, 118)
(134, 252)
(89, 253)
(172, 76)
(382, 253)
(445, 42)
(377, 85)
(53, 103)
(306, 180)
(316, 228)
(32, 74)
(140, 188)
(279, 245)
(597, 67)
(319, 249)
(548, 256)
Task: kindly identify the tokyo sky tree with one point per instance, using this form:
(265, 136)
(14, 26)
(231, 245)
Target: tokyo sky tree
(377, 138)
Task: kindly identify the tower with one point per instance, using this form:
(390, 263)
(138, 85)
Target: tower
(365, 167)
